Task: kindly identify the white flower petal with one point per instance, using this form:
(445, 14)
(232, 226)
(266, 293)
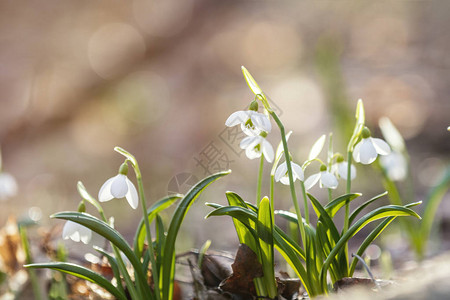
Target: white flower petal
(328, 180)
(119, 187)
(281, 171)
(247, 141)
(132, 195)
(85, 234)
(236, 118)
(357, 152)
(285, 179)
(297, 172)
(68, 229)
(267, 150)
(342, 170)
(261, 121)
(105, 191)
(381, 146)
(311, 181)
(367, 152)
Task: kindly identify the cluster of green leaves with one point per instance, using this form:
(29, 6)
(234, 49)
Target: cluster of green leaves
(160, 285)
(418, 232)
(323, 248)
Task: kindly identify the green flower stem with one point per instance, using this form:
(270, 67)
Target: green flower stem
(349, 186)
(147, 228)
(305, 201)
(259, 183)
(289, 168)
(28, 259)
(330, 195)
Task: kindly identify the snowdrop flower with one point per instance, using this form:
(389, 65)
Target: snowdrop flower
(256, 145)
(395, 165)
(367, 150)
(118, 187)
(325, 178)
(76, 232)
(281, 174)
(340, 168)
(8, 186)
(252, 122)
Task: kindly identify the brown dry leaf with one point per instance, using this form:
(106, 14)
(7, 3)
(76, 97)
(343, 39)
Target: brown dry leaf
(12, 256)
(246, 267)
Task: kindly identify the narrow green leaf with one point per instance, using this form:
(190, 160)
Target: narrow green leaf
(156, 208)
(381, 212)
(114, 266)
(360, 208)
(373, 235)
(245, 237)
(264, 230)
(333, 207)
(83, 273)
(168, 262)
(324, 217)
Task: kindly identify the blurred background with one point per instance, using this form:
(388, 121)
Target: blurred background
(159, 78)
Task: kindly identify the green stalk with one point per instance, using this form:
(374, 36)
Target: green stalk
(147, 228)
(289, 168)
(28, 259)
(259, 183)
(305, 201)
(349, 186)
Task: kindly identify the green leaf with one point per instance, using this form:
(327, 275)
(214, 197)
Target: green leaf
(356, 212)
(333, 207)
(168, 262)
(373, 235)
(83, 273)
(156, 208)
(434, 198)
(108, 233)
(287, 248)
(323, 216)
(114, 266)
(251, 82)
(381, 212)
(244, 235)
(264, 230)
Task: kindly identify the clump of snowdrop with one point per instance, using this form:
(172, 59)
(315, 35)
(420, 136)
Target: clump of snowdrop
(119, 187)
(368, 149)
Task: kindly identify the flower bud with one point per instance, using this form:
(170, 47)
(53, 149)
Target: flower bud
(123, 169)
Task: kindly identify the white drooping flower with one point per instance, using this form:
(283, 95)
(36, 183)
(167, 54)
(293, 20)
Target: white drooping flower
(76, 232)
(367, 150)
(281, 174)
(252, 122)
(395, 165)
(118, 187)
(325, 179)
(8, 186)
(256, 145)
(340, 168)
